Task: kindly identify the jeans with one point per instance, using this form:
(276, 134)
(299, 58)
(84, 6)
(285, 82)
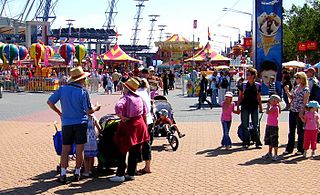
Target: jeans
(115, 84)
(221, 93)
(226, 141)
(203, 98)
(295, 123)
(134, 155)
(245, 113)
(214, 96)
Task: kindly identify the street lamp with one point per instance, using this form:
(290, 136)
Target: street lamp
(224, 36)
(240, 12)
(232, 27)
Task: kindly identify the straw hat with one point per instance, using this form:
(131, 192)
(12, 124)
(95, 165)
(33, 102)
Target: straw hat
(132, 85)
(77, 74)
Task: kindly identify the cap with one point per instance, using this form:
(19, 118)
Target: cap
(228, 94)
(313, 104)
(164, 112)
(151, 68)
(275, 97)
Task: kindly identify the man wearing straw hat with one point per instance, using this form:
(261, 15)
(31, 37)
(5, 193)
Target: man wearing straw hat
(75, 107)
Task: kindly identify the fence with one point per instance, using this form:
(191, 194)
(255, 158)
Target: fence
(44, 84)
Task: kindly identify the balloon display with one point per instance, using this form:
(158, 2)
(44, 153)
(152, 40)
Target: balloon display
(50, 54)
(67, 51)
(2, 56)
(81, 52)
(11, 52)
(23, 52)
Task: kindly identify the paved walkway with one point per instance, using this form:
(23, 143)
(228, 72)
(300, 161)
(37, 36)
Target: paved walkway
(199, 166)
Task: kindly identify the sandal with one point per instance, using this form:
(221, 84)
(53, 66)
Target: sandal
(142, 172)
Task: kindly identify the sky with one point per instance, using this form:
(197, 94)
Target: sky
(178, 15)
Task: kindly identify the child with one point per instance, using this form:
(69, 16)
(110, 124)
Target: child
(272, 128)
(228, 107)
(91, 147)
(165, 121)
(311, 120)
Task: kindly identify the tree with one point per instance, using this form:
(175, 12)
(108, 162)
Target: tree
(301, 24)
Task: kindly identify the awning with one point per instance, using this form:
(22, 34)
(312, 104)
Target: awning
(116, 54)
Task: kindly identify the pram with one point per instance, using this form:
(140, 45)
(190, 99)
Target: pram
(108, 151)
(252, 133)
(57, 143)
(160, 102)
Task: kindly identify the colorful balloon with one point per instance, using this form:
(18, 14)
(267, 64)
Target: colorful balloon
(36, 51)
(81, 52)
(50, 54)
(67, 51)
(11, 52)
(23, 52)
(2, 56)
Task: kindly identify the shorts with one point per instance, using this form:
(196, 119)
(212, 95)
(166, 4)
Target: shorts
(74, 134)
(272, 136)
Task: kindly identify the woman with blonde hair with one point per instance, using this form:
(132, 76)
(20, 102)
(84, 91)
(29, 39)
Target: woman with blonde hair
(299, 97)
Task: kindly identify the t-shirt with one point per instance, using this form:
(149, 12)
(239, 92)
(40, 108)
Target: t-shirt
(226, 114)
(272, 119)
(250, 92)
(312, 119)
(272, 88)
(165, 120)
(130, 106)
(147, 100)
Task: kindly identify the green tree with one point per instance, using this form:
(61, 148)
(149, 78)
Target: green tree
(301, 24)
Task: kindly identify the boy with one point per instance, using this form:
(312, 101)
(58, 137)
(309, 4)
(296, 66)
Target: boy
(166, 122)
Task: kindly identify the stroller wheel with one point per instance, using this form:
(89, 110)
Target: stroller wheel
(174, 142)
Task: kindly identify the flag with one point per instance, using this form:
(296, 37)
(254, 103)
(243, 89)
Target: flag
(195, 24)
(117, 36)
(209, 35)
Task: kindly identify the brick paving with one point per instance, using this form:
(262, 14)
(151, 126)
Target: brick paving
(199, 166)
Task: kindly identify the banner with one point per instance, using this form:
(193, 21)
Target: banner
(268, 41)
(195, 24)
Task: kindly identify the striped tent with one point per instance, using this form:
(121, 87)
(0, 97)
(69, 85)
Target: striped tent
(207, 51)
(116, 54)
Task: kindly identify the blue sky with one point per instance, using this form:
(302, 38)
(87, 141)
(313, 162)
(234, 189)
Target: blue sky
(178, 15)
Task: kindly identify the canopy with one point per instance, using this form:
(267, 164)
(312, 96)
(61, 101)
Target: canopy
(116, 54)
(206, 53)
(294, 64)
(176, 43)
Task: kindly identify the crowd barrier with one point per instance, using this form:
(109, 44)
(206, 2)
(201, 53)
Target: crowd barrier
(23, 84)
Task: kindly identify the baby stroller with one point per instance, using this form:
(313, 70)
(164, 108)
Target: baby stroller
(107, 149)
(252, 133)
(57, 142)
(160, 102)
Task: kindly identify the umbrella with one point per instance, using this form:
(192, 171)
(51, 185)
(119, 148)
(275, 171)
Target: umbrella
(222, 67)
(294, 64)
(317, 65)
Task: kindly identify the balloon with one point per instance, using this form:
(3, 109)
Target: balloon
(2, 57)
(23, 52)
(81, 52)
(67, 51)
(36, 51)
(11, 52)
(50, 54)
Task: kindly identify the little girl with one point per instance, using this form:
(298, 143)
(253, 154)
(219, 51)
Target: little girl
(228, 107)
(311, 120)
(272, 128)
(91, 147)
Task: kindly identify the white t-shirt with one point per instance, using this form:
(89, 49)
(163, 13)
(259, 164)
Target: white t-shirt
(147, 100)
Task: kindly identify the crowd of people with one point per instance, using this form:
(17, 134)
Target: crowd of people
(134, 109)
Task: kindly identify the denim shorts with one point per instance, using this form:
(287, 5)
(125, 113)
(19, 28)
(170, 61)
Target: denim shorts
(272, 136)
(74, 134)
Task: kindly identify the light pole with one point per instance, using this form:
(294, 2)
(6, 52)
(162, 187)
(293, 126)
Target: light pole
(240, 12)
(232, 27)
(224, 36)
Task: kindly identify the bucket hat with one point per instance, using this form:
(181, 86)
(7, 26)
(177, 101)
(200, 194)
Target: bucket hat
(77, 74)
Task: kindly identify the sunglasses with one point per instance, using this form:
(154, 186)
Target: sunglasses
(248, 74)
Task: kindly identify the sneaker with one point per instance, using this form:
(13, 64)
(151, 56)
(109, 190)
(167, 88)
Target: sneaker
(305, 154)
(298, 153)
(267, 156)
(313, 154)
(245, 147)
(117, 179)
(228, 147)
(286, 152)
(62, 179)
(275, 158)
(129, 178)
(76, 177)
(181, 135)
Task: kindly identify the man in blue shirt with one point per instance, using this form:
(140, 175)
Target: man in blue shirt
(75, 107)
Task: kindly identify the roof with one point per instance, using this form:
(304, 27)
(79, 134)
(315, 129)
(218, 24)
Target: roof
(207, 51)
(177, 38)
(117, 54)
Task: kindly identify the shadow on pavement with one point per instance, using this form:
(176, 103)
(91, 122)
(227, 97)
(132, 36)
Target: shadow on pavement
(282, 159)
(46, 181)
(221, 151)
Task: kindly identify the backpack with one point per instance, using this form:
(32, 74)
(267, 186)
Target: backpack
(314, 91)
(224, 83)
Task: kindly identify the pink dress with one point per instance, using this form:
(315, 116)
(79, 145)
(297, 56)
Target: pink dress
(133, 131)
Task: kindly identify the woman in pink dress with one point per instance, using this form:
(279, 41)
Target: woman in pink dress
(132, 131)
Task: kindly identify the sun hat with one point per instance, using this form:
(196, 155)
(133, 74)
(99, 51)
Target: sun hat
(151, 68)
(164, 112)
(311, 68)
(77, 74)
(228, 94)
(313, 104)
(132, 85)
(274, 96)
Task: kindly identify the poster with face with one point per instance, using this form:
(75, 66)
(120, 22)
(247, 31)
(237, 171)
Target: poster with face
(268, 40)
